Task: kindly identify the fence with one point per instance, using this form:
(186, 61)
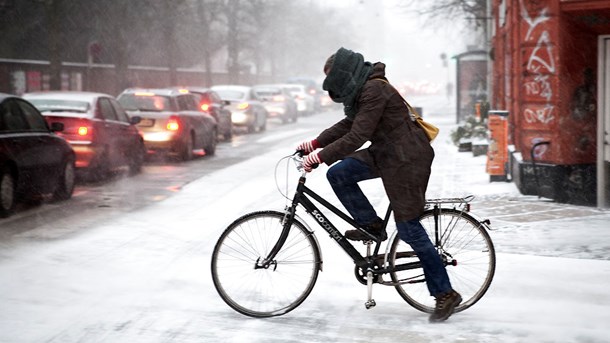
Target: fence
(21, 76)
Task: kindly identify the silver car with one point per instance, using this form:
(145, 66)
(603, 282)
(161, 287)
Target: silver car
(246, 109)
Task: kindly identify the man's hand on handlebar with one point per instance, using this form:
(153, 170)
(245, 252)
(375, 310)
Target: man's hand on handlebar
(311, 162)
(308, 146)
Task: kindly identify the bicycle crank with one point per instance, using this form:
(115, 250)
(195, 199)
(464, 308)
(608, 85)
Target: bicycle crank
(369, 285)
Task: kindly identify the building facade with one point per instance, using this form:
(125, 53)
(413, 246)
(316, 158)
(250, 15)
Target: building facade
(551, 71)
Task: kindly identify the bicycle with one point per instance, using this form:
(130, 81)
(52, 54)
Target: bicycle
(266, 263)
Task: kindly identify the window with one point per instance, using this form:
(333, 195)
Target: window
(106, 109)
(11, 117)
(34, 119)
(120, 112)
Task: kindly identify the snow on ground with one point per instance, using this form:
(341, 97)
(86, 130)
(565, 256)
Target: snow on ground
(146, 278)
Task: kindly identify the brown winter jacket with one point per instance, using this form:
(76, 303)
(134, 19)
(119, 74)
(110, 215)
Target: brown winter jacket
(399, 153)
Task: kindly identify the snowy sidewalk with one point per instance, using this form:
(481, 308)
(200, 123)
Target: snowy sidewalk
(548, 228)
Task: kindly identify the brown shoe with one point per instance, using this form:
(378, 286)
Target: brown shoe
(376, 229)
(445, 306)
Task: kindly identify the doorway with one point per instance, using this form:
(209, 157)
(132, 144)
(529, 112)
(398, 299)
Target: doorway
(603, 123)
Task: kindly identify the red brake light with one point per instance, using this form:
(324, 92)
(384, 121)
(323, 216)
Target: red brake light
(278, 98)
(173, 124)
(205, 107)
(83, 130)
(243, 106)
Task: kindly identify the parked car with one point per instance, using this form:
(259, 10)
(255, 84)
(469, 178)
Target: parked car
(171, 121)
(305, 102)
(103, 137)
(278, 102)
(209, 101)
(246, 109)
(34, 161)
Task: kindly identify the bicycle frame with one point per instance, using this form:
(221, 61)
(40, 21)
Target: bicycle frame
(302, 197)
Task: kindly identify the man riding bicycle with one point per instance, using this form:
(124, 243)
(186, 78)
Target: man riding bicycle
(399, 153)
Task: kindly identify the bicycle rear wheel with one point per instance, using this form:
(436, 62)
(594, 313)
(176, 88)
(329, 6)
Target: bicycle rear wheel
(466, 250)
(264, 292)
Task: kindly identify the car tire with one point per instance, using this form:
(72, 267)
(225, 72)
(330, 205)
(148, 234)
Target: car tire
(263, 125)
(211, 148)
(137, 159)
(66, 181)
(186, 152)
(7, 192)
(228, 135)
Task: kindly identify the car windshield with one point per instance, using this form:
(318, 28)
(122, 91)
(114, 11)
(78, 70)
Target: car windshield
(145, 102)
(56, 105)
(266, 93)
(295, 89)
(230, 94)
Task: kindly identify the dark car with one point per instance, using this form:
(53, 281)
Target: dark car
(34, 161)
(103, 137)
(171, 122)
(246, 109)
(210, 102)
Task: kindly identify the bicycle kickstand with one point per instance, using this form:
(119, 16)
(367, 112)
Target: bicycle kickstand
(370, 302)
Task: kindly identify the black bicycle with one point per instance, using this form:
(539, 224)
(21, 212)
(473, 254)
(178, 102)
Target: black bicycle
(266, 263)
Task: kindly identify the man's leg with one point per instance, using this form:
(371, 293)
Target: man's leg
(343, 178)
(437, 280)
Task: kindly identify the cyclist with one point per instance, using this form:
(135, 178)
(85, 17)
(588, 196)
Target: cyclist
(399, 153)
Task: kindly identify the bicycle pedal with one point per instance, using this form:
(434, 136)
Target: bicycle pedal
(370, 304)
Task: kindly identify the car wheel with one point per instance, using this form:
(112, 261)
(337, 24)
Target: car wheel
(263, 125)
(187, 148)
(137, 159)
(228, 135)
(7, 192)
(211, 149)
(65, 184)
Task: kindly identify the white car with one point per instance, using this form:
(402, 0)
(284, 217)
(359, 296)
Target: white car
(305, 101)
(246, 109)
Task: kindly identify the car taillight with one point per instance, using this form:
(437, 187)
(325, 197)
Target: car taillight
(205, 107)
(278, 98)
(312, 91)
(82, 131)
(173, 124)
(243, 106)
(300, 97)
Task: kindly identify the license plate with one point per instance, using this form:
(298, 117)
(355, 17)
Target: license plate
(147, 122)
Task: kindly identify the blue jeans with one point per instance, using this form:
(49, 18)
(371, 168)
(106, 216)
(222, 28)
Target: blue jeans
(344, 177)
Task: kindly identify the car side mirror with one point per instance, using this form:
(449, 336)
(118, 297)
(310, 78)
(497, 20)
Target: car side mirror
(135, 120)
(57, 127)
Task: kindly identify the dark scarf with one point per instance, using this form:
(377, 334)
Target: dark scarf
(344, 82)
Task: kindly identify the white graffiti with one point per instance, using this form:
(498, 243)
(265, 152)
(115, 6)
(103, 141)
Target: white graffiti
(540, 63)
(543, 115)
(532, 22)
(544, 44)
(540, 86)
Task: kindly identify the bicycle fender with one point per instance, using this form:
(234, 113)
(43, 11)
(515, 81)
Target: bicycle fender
(315, 238)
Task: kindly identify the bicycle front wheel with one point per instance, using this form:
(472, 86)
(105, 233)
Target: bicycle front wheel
(466, 250)
(264, 292)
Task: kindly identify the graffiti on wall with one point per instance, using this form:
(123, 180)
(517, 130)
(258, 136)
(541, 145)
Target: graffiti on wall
(540, 65)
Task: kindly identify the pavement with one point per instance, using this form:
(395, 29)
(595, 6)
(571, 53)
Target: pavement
(557, 229)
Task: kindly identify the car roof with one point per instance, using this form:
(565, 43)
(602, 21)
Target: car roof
(6, 96)
(194, 89)
(156, 91)
(66, 95)
(235, 87)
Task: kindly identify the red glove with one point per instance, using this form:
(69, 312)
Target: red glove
(311, 161)
(308, 146)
